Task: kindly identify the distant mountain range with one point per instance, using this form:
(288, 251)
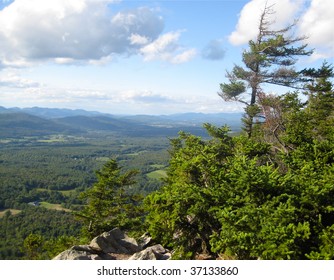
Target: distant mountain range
(49, 113)
(17, 122)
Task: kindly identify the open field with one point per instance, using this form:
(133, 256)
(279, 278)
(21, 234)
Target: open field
(67, 193)
(53, 206)
(12, 211)
(157, 174)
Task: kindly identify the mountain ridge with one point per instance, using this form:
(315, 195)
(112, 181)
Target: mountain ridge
(54, 113)
(36, 121)
(19, 124)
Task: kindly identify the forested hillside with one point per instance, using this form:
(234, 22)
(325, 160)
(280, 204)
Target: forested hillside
(43, 176)
(16, 125)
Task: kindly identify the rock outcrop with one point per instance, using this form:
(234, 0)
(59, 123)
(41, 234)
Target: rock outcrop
(156, 252)
(114, 241)
(116, 245)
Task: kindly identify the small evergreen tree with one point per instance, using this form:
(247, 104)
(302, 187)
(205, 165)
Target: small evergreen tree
(108, 203)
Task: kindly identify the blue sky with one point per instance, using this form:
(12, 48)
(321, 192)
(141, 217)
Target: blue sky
(138, 57)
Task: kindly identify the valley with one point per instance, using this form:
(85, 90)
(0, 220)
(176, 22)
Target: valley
(47, 158)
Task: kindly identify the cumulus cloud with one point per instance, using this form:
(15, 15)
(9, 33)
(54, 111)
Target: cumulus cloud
(65, 30)
(317, 23)
(167, 48)
(214, 50)
(247, 26)
(83, 30)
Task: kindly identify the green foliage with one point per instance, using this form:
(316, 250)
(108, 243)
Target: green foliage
(108, 204)
(35, 247)
(325, 251)
(183, 214)
(37, 222)
(178, 215)
(32, 245)
(232, 90)
(269, 196)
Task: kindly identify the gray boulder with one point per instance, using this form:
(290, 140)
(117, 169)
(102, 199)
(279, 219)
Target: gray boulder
(156, 252)
(115, 241)
(144, 241)
(76, 253)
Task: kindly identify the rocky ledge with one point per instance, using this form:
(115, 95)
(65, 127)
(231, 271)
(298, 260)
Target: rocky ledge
(116, 245)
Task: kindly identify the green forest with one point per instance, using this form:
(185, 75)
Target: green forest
(43, 177)
(264, 193)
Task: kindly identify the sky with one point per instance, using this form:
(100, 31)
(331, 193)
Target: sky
(140, 57)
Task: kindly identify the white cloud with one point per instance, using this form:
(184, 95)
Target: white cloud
(167, 48)
(317, 23)
(136, 39)
(64, 30)
(11, 79)
(162, 47)
(247, 26)
(184, 56)
(68, 32)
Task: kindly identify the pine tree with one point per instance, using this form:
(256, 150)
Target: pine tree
(269, 60)
(108, 203)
